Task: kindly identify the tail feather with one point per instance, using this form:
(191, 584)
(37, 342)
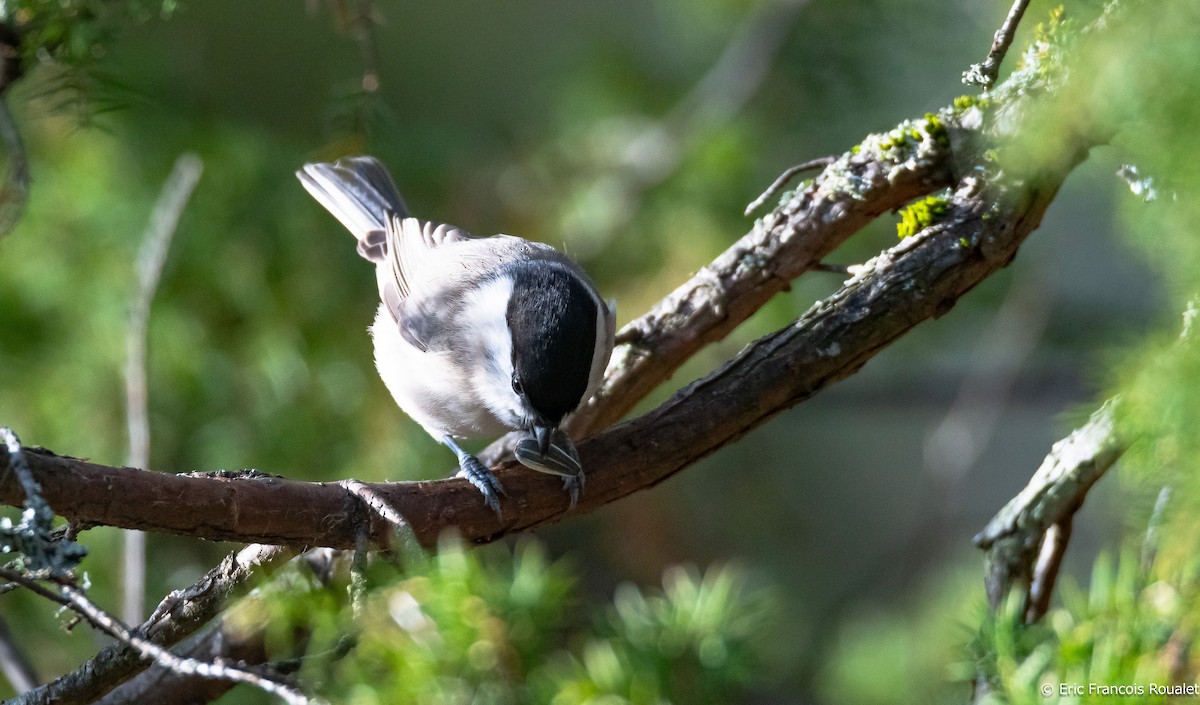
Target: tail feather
(358, 192)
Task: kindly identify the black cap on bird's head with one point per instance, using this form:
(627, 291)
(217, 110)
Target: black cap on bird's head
(554, 322)
(552, 319)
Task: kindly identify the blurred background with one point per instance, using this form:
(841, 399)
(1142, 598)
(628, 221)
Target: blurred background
(630, 134)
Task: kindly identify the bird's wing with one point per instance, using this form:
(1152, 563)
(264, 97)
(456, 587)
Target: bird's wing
(413, 250)
(423, 260)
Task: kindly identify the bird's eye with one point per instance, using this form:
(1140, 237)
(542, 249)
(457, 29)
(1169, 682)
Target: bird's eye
(517, 386)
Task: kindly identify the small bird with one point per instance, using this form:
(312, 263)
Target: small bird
(474, 336)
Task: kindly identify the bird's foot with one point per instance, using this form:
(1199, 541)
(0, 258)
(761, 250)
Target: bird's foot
(475, 473)
(573, 485)
(484, 480)
(561, 459)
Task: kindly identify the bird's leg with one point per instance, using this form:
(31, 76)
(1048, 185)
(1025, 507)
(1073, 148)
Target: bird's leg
(475, 473)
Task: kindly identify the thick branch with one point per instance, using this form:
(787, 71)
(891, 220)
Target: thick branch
(784, 244)
(977, 232)
(918, 279)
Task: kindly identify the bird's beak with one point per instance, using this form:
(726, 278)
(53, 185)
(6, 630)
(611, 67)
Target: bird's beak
(544, 434)
(549, 450)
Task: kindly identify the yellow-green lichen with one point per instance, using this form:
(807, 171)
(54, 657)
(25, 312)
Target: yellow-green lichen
(964, 103)
(1055, 29)
(936, 129)
(919, 215)
(1041, 65)
(908, 144)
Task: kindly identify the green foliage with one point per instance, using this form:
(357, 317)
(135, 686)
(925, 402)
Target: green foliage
(1160, 117)
(691, 644)
(259, 355)
(67, 40)
(457, 627)
(908, 653)
(1129, 634)
(1125, 639)
(76, 32)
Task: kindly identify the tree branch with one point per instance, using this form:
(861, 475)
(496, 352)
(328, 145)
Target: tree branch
(808, 225)
(151, 257)
(15, 663)
(978, 231)
(73, 598)
(918, 279)
(164, 687)
(984, 74)
(179, 614)
(1026, 539)
(234, 637)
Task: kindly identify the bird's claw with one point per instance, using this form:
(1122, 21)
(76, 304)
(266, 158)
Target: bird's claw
(573, 485)
(562, 459)
(484, 480)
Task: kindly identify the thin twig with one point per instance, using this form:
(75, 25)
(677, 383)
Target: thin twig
(358, 562)
(156, 242)
(1045, 569)
(955, 445)
(72, 597)
(830, 268)
(363, 30)
(375, 502)
(234, 638)
(14, 662)
(15, 193)
(785, 177)
(985, 74)
(179, 614)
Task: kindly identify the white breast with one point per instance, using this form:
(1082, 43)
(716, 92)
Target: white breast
(453, 392)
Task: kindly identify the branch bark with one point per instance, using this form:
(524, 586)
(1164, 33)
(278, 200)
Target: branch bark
(807, 225)
(920, 278)
(980, 228)
(1026, 539)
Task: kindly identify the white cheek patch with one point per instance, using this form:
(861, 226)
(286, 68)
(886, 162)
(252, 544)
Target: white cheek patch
(485, 315)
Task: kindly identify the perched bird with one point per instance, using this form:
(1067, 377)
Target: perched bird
(474, 336)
